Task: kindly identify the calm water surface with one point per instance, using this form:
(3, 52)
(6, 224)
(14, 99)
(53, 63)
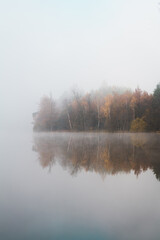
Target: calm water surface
(91, 186)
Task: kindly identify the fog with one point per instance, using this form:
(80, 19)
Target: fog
(80, 186)
(52, 46)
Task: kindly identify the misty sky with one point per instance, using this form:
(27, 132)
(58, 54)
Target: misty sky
(54, 45)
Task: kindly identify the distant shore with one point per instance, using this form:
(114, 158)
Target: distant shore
(110, 109)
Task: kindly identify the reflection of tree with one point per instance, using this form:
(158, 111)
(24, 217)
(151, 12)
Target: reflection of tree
(46, 152)
(101, 153)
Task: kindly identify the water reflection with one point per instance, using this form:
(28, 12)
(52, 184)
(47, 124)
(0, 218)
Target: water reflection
(100, 152)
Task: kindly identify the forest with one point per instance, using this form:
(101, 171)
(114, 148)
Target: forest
(109, 109)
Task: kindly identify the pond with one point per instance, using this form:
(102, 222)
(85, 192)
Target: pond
(83, 186)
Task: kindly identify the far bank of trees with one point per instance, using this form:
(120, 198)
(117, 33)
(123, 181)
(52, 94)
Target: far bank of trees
(105, 109)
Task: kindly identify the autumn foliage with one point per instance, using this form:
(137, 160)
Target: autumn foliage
(104, 109)
(138, 125)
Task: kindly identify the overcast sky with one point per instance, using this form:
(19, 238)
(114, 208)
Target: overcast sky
(53, 45)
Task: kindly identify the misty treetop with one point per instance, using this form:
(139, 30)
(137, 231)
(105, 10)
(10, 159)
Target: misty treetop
(109, 109)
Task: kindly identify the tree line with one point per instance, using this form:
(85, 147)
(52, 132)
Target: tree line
(109, 109)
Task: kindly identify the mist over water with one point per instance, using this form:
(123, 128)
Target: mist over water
(80, 186)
